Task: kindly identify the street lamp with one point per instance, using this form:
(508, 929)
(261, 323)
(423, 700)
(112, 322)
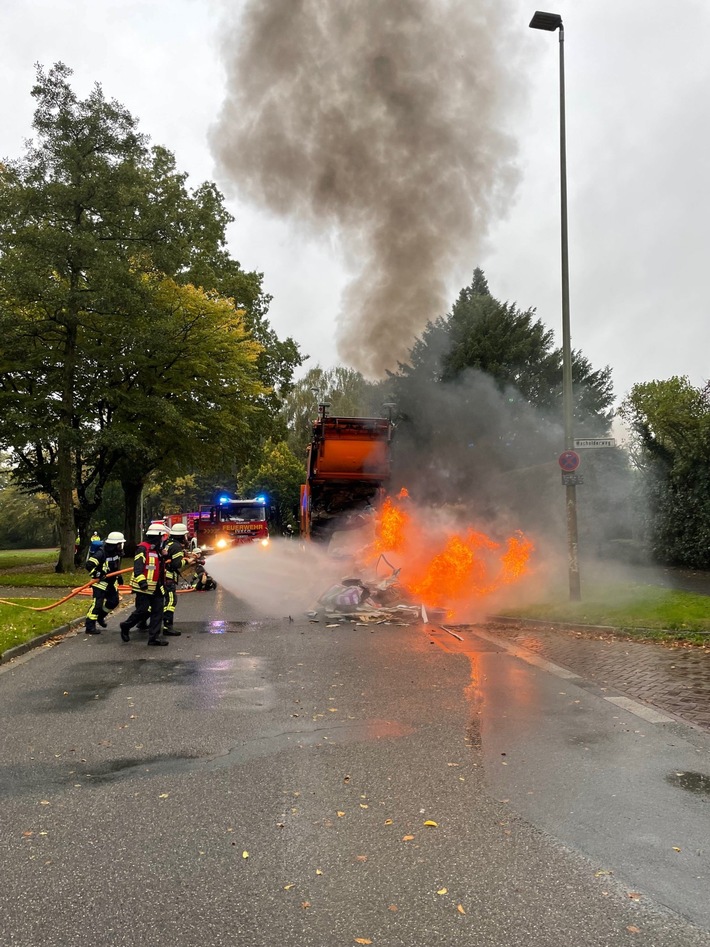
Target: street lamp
(552, 22)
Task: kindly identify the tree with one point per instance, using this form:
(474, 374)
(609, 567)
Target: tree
(278, 475)
(346, 392)
(99, 242)
(670, 424)
(26, 521)
(161, 416)
(482, 394)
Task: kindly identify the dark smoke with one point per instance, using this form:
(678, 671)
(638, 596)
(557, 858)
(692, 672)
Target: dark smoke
(381, 121)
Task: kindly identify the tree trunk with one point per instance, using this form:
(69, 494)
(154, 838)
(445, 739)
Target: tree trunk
(132, 490)
(65, 468)
(67, 528)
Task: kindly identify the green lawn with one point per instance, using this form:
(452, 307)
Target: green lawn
(18, 625)
(639, 610)
(36, 569)
(12, 558)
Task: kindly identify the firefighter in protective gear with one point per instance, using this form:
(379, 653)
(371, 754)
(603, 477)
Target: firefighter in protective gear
(103, 560)
(174, 563)
(148, 582)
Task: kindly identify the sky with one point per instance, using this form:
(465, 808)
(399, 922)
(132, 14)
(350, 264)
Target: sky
(356, 267)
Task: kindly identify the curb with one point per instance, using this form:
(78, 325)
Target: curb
(571, 626)
(539, 622)
(37, 642)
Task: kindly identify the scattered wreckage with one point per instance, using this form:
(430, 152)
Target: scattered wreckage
(372, 600)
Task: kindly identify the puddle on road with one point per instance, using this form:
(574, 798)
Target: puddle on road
(16, 780)
(95, 681)
(697, 783)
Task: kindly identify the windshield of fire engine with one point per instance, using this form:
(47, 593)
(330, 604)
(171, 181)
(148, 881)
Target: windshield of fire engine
(241, 513)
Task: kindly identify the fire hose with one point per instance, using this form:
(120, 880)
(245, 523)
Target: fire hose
(81, 590)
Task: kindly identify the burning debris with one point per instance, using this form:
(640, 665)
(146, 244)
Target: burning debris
(444, 573)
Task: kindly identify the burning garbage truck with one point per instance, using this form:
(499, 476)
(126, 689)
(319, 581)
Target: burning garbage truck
(347, 471)
(403, 564)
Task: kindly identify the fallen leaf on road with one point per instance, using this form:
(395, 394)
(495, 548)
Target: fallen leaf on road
(392, 907)
(245, 854)
(388, 821)
(362, 940)
(163, 795)
(361, 858)
(634, 895)
(305, 904)
(676, 849)
(288, 887)
(407, 838)
(632, 929)
(340, 815)
(460, 908)
(443, 891)
(433, 825)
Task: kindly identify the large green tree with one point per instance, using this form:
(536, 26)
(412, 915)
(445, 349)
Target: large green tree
(481, 394)
(670, 424)
(93, 221)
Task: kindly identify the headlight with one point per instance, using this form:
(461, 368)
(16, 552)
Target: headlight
(221, 544)
(264, 542)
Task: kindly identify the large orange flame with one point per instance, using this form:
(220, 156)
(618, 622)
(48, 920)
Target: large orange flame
(445, 567)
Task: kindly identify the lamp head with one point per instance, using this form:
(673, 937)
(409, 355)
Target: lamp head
(546, 21)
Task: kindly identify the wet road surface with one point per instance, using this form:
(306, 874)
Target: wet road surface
(267, 782)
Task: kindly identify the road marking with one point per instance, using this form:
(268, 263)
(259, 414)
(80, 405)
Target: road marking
(530, 657)
(640, 710)
(649, 714)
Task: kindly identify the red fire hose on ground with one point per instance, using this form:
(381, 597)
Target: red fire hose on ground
(82, 590)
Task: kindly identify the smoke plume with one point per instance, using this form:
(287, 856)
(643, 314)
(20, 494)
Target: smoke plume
(380, 122)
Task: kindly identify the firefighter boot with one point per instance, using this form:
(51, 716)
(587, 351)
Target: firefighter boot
(124, 632)
(91, 628)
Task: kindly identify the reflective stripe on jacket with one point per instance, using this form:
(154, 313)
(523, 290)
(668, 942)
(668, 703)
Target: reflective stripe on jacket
(174, 560)
(148, 565)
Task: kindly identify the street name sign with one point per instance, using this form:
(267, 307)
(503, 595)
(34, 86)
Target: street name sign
(581, 442)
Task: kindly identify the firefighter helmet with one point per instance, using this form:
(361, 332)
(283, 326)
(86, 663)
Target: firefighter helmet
(115, 537)
(155, 529)
(179, 530)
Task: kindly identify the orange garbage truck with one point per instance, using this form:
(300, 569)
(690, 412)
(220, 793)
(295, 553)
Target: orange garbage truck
(347, 471)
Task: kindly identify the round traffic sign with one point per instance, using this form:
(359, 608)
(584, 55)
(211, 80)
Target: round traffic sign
(569, 460)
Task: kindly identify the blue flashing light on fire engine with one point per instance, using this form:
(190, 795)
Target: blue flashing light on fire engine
(261, 499)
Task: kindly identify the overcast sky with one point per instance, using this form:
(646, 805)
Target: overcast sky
(637, 94)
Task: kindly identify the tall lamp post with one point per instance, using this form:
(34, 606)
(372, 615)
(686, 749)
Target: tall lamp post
(552, 22)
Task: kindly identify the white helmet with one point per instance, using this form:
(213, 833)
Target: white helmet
(179, 529)
(155, 529)
(115, 537)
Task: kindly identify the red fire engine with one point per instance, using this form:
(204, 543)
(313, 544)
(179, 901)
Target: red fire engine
(225, 524)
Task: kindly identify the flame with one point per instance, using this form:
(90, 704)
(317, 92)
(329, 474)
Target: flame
(447, 567)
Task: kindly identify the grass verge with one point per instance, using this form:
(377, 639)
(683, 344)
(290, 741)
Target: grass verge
(18, 625)
(640, 611)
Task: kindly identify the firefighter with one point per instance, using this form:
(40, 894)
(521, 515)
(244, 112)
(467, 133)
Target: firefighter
(148, 582)
(174, 563)
(103, 560)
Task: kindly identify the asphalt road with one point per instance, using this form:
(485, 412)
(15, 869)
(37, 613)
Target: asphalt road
(266, 783)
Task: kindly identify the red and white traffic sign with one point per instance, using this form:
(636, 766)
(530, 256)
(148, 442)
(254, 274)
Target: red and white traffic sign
(568, 460)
